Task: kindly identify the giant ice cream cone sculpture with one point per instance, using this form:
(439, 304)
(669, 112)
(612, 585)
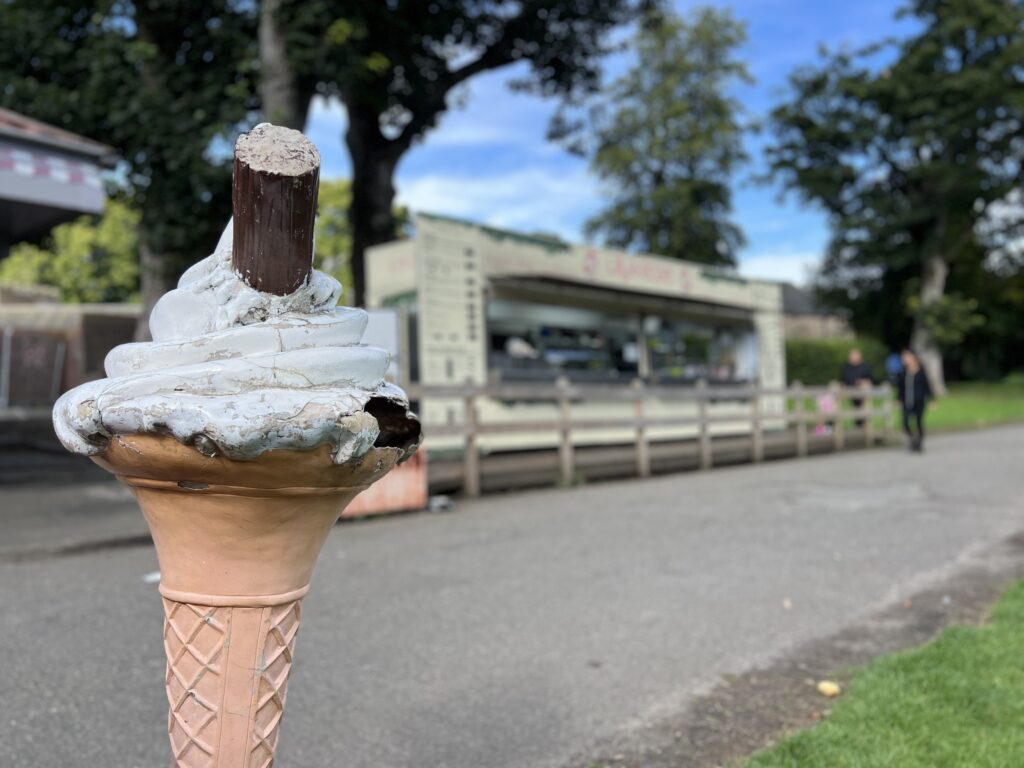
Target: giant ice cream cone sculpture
(243, 430)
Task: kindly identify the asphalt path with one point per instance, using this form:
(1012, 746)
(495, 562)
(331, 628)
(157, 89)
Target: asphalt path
(517, 631)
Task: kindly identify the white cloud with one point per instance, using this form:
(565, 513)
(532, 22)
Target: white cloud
(550, 192)
(467, 133)
(483, 113)
(797, 268)
(486, 112)
(326, 114)
(535, 198)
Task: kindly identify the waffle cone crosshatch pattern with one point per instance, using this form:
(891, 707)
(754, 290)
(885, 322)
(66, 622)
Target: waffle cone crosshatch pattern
(200, 659)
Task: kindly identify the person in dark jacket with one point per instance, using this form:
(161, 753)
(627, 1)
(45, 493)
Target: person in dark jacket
(914, 392)
(856, 373)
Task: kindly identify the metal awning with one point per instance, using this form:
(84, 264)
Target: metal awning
(552, 291)
(47, 176)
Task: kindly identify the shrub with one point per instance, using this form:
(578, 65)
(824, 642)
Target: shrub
(818, 361)
(90, 259)
(1015, 379)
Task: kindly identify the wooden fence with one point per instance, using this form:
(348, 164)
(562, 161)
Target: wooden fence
(794, 407)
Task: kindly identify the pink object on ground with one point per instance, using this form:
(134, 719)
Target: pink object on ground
(827, 406)
(404, 489)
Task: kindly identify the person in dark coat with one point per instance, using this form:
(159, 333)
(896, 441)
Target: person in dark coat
(856, 373)
(914, 392)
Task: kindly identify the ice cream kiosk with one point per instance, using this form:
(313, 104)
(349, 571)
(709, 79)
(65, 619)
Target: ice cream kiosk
(487, 305)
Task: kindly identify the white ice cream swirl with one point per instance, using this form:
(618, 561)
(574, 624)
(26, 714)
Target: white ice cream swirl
(236, 371)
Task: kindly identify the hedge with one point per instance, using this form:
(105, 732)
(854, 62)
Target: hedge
(818, 361)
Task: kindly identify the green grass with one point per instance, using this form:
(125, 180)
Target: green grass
(970, 405)
(957, 702)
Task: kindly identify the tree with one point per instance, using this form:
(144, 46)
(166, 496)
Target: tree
(909, 160)
(284, 96)
(333, 237)
(168, 84)
(395, 64)
(333, 243)
(95, 259)
(667, 138)
(91, 259)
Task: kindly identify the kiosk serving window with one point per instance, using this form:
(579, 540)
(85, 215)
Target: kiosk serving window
(686, 350)
(535, 341)
(538, 342)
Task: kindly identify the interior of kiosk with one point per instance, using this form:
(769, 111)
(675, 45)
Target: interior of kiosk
(539, 330)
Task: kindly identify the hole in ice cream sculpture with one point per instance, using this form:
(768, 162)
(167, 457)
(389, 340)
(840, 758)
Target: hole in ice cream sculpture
(243, 429)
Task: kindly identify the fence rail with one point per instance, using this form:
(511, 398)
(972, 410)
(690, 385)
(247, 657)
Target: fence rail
(789, 408)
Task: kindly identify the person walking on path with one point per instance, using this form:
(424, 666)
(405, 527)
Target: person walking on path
(914, 391)
(855, 373)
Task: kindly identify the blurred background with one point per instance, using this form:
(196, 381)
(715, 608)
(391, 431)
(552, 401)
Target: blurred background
(644, 192)
(602, 239)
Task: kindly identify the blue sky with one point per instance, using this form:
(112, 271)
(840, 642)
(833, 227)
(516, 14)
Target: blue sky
(489, 160)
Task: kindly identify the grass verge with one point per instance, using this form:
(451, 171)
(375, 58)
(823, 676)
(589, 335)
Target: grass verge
(967, 405)
(953, 703)
(970, 405)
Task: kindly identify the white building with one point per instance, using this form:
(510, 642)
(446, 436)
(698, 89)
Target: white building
(47, 176)
(487, 305)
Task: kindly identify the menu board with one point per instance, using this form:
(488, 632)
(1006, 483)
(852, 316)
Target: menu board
(451, 311)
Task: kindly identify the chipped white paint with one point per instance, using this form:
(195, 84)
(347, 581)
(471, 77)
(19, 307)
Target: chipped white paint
(249, 371)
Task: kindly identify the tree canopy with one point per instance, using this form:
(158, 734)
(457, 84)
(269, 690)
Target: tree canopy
(914, 148)
(666, 139)
(167, 84)
(170, 84)
(95, 258)
(332, 244)
(90, 260)
(332, 250)
(396, 64)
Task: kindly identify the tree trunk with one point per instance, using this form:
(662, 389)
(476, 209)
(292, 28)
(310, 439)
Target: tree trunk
(282, 101)
(153, 284)
(933, 285)
(371, 214)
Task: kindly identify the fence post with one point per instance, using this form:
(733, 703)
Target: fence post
(471, 459)
(838, 435)
(868, 406)
(756, 431)
(5, 366)
(566, 457)
(643, 448)
(706, 458)
(801, 419)
(887, 414)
